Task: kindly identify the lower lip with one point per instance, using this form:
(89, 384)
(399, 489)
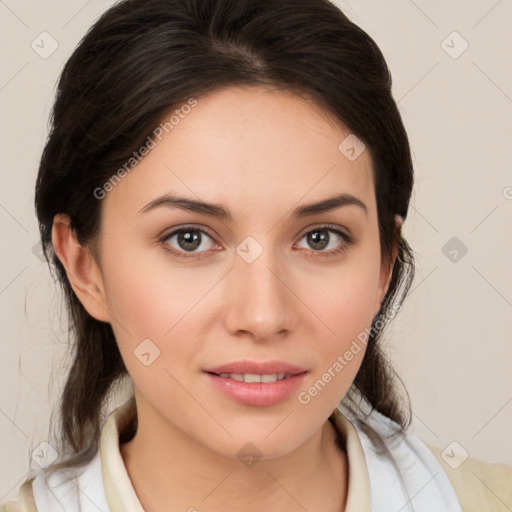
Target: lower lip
(257, 393)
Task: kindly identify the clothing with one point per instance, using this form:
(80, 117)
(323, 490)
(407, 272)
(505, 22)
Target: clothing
(103, 485)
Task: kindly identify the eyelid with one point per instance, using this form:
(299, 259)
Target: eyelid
(328, 227)
(176, 229)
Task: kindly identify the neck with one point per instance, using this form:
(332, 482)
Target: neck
(170, 470)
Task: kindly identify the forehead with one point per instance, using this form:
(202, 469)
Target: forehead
(244, 147)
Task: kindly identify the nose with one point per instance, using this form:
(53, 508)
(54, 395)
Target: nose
(259, 302)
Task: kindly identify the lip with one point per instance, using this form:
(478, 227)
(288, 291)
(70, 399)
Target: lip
(257, 393)
(259, 368)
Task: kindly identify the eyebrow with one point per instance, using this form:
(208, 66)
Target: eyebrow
(219, 212)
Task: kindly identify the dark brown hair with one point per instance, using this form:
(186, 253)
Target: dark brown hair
(143, 58)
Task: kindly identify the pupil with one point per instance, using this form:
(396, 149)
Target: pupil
(318, 239)
(189, 240)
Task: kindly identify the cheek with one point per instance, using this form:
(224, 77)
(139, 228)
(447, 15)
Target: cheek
(148, 295)
(155, 327)
(136, 300)
(344, 305)
(344, 299)
(339, 355)
(154, 300)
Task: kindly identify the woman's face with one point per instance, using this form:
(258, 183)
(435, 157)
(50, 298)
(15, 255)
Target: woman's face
(269, 281)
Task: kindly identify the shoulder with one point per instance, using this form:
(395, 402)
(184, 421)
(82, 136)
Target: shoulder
(24, 502)
(72, 488)
(479, 485)
(470, 485)
(76, 487)
(401, 468)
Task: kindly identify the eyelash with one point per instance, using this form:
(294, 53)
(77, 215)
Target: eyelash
(348, 240)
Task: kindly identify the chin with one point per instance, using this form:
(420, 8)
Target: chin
(258, 444)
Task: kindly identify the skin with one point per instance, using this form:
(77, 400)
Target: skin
(259, 153)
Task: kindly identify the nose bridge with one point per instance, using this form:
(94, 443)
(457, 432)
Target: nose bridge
(259, 302)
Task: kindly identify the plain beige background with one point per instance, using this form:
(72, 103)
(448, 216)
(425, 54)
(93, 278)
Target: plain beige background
(451, 344)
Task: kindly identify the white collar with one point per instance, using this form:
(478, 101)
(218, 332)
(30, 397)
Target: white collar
(427, 484)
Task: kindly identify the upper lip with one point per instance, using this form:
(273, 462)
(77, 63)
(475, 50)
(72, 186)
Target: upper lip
(257, 368)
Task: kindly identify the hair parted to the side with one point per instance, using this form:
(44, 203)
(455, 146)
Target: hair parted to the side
(141, 59)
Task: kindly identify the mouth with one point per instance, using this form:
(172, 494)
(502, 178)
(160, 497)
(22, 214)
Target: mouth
(266, 378)
(257, 384)
(255, 368)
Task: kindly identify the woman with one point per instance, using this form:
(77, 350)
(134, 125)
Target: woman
(221, 196)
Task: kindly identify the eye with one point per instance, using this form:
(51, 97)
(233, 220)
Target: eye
(187, 240)
(327, 240)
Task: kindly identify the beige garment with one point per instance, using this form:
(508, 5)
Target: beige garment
(480, 486)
